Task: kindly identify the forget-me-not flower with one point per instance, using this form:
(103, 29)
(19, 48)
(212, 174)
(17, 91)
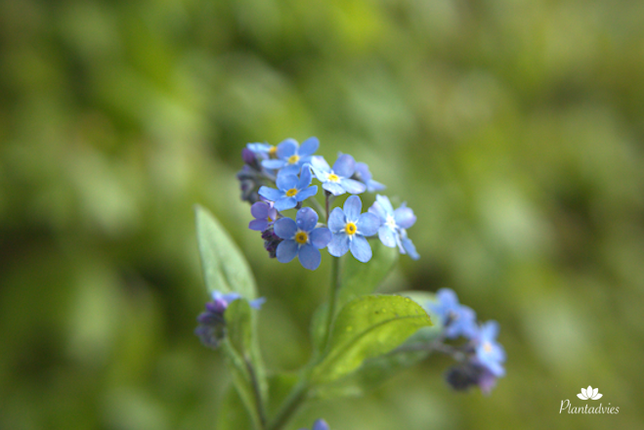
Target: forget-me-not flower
(319, 425)
(301, 238)
(265, 215)
(338, 180)
(394, 225)
(349, 228)
(291, 156)
(263, 150)
(457, 319)
(290, 190)
(489, 353)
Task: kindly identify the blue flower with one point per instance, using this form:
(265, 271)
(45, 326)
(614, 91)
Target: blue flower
(392, 231)
(265, 215)
(291, 190)
(211, 329)
(263, 150)
(319, 425)
(349, 228)
(457, 319)
(301, 238)
(291, 156)
(363, 175)
(338, 180)
(489, 353)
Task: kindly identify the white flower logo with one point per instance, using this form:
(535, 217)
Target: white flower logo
(589, 393)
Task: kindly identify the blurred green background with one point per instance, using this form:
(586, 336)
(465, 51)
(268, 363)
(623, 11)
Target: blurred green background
(512, 128)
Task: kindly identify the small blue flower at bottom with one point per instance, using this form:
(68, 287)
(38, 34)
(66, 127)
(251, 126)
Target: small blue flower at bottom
(457, 319)
(489, 353)
(349, 228)
(301, 238)
(319, 425)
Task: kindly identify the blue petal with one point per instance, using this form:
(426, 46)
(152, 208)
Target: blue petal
(305, 179)
(306, 193)
(404, 217)
(258, 224)
(387, 236)
(352, 208)
(337, 220)
(291, 169)
(309, 146)
(309, 256)
(377, 209)
(320, 237)
(320, 425)
(368, 224)
(285, 203)
(306, 219)
(257, 303)
(373, 186)
(410, 249)
(260, 210)
(286, 148)
(286, 181)
(273, 164)
(286, 251)
(285, 228)
(489, 330)
(321, 174)
(352, 186)
(270, 193)
(339, 245)
(344, 166)
(360, 248)
(320, 163)
(385, 204)
(334, 188)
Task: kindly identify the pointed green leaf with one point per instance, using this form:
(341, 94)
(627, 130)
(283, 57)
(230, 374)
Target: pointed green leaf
(359, 279)
(224, 267)
(365, 328)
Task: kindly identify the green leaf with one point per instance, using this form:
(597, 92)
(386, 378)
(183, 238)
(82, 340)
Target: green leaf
(243, 357)
(370, 375)
(359, 279)
(224, 267)
(365, 328)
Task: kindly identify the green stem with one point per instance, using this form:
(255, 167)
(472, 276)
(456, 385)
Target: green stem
(317, 206)
(259, 404)
(333, 299)
(292, 403)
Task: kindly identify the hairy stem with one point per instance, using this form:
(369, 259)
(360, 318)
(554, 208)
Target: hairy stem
(259, 403)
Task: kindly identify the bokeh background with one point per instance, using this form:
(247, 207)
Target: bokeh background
(513, 128)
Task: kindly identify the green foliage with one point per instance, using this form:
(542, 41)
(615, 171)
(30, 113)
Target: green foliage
(224, 267)
(358, 279)
(365, 328)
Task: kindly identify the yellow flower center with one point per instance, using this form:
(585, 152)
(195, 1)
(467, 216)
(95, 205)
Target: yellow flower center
(333, 177)
(272, 152)
(487, 347)
(350, 228)
(293, 159)
(291, 192)
(301, 237)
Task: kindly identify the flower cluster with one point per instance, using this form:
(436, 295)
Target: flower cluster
(275, 179)
(481, 357)
(212, 325)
